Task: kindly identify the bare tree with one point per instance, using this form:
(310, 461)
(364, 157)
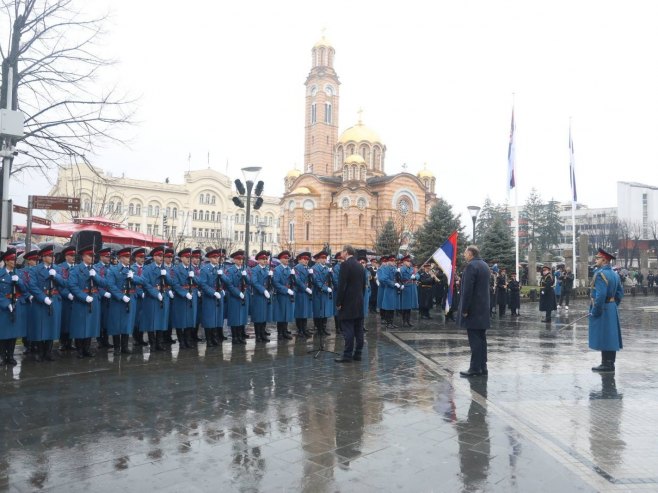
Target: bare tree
(52, 50)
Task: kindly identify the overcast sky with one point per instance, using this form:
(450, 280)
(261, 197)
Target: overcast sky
(435, 80)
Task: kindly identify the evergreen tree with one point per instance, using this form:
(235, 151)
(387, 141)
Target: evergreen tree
(485, 219)
(552, 226)
(531, 222)
(439, 224)
(497, 245)
(388, 241)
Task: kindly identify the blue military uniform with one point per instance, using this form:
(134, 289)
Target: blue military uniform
(303, 295)
(64, 269)
(185, 286)
(237, 282)
(409, 293)
(155, 306)
(47, 305)
(123, 305)
(604, 327)
(284, 297)
(168, 265)
(260, 302)
(211, 283)
(101, 267)
(13, 309)
(138, 269)
(195, 265)
(391, 295)
(323, 296)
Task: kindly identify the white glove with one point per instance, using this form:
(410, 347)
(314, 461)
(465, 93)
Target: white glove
(171, 294)
(70, 297)
(329, 290)
(290, 292)
(190, 274)
(47, 301)
(14, 278)
(413, 276)
(244, 273)
(125, 299)
(308, 290)
(163, 272)
(220, 272)
(159, 296)
(108, 295)
(397, 270)
(377, 282)
(188, 296)
(11, 308)
(143, 295)
(92, 273)
(241, 296)
(270, 273)
(310, 271)
(397, 285)
(266, 294)
(218, 295)
(130, 274)
(401, 287)
(52, 272)
(89, 299)
(31, 298)
(331, 269)
(199, 293)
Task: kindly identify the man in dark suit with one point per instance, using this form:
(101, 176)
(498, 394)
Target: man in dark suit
(474, 310)
(349, 304)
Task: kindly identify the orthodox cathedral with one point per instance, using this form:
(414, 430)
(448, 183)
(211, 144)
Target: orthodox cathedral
(343, 195)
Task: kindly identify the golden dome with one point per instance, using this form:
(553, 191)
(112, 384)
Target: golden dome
(359, 133)
(425, 173)
(301, 191)
(293, 173)
(354, 159)
(323, 42)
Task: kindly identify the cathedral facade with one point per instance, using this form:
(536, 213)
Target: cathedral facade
(343, 195)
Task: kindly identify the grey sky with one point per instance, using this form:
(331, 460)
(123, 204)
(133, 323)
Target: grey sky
(435, 80)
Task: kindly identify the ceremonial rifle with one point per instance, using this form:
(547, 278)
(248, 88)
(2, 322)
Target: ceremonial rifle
(127, 290)
(13, 300)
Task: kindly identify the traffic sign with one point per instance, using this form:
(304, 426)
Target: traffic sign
(19, 209)
(55, 203)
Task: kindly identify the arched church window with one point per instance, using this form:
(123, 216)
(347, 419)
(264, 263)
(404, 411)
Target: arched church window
(345, 173)
(314, 113)
(327, 113)
(363, 173)
(345, 222)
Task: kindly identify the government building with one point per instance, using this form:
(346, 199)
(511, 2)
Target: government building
(197, 213)
(343, 194)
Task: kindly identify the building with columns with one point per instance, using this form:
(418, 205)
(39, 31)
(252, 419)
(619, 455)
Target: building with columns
(343, 194)
(199, 212)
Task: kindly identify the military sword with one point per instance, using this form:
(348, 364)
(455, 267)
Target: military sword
(572, 323)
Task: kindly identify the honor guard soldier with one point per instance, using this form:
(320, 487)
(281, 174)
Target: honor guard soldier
(45, 283)
(121, 284)
(383, 266)
(13, 308)
(606, 293)
(30, 259)
(168, 261)
(237, 281)
(155, 306)
(501, 292)
(323, 296)
(374, 288)
(514, 291)
(392, 290)
(284, 299)
(426, 282)
(64, 268)
(547, 301)
(102, 267)
(409, 295)
(211, 283)
(196, 266)
(303, 294)
(260, 303)
(84, 283)
(139, 256)
(363, 260)
(185, 286)
(335, 273)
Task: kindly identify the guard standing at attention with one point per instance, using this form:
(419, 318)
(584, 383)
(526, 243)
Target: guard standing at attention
(101, 268)
(284, 299)
(514, 290)
(237, 282)
(547, 302)
(185, 286)
(303, 294)
(64, 268)
(426, 282)
(260, 301)
(155, 306)
(323, 298)
(121, 284)
(211, 282)
(409, 294)
(13, 308)
(139, 256)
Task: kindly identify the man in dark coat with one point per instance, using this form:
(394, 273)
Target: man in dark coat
(547, 302)
(514, 290)
(349, 304)
(474, 314)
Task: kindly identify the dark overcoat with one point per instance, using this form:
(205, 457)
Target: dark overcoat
(547, 300)
(351, 289)
(474, 308)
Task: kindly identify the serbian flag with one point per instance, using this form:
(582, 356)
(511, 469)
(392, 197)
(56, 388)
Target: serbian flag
(511, 157)
(446, 258)
(572, 169)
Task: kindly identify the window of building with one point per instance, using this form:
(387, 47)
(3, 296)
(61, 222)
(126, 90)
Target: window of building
(291, 231)
(360, 220)
(87, 206)
(131, 209)
(167, 211)
(193, 232)
(207, 198)
(345, 221)
(327, 112)
(155, 229)
(138, 227)
(212, 216)
(138, 209)
(194, 215)
(345, 173)
(118, 208)
(314, 113)
(213, 200)
(156, 209)
(241, 218)
(174, 213)
(201, 199)
(241, 235)
(149, 211)
(207, 216)
(149, 229)
(173, 231)
(307, 232)
(235, 236)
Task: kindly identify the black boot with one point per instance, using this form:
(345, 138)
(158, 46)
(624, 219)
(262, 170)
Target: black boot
(151, 336)
(48, 351)
(264, 333)
(210, 339)
(124, 345)
(80, 348)
(234, 336)
(87, 348)
(181, 339)
(116, 342)
(243, 333)
(138, 338)
(284, 331)
(11, 347)
(38, 351)
(607, 362)
(3, 352)
(219, 331)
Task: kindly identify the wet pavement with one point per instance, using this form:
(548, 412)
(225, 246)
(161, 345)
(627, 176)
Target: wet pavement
(273, 418)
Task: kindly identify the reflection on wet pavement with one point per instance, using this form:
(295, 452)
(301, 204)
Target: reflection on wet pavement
(272, 418)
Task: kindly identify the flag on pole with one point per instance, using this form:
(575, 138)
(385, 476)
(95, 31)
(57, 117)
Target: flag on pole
(446, 258)
(572, 169)
(511, 157)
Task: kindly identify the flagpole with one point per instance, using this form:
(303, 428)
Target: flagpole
(516, 220)
(572, 173)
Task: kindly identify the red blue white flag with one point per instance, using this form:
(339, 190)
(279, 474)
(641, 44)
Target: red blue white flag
(511, 157)
(446, 258)
(572, 169)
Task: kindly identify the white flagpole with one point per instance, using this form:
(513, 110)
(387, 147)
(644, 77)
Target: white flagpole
(572, 172)
(516, 220)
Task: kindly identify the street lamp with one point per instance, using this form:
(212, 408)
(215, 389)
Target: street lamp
(474, 210)
(261, 233)
(250, 174)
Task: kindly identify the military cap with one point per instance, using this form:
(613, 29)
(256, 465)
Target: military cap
(139, 252)
(86, 250)
(197, 253)
(605, 255)
(262, 254)
(238, 255)
(104, 252)
(124, 252)
(159, 250)
(213, 254)
(169, 252)
(10, 254)
(284, 254)
(321, 254)
(31, 255)
(68, 250)
(185, 252)
(304, 255)
(47, 251)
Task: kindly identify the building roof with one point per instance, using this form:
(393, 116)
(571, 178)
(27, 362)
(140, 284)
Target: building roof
(359, 133)
(354, 159)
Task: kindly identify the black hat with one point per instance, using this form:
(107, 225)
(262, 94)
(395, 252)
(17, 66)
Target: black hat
(31, 255)
(68, 250)
(283, 254)
(262, 254)
(197, 252)
(86, 250)
(47, 250)
(320, 254)
(302, 255)
(139, 252)
(185, 252)
(105, 252)
(124, 252)
(159, 250)
(238, 255)
(606, 255)
(10, 254)
(213, 253)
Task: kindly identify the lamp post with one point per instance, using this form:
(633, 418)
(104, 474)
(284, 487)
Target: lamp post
(261, 233)
(473, 210)
(250, 174)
